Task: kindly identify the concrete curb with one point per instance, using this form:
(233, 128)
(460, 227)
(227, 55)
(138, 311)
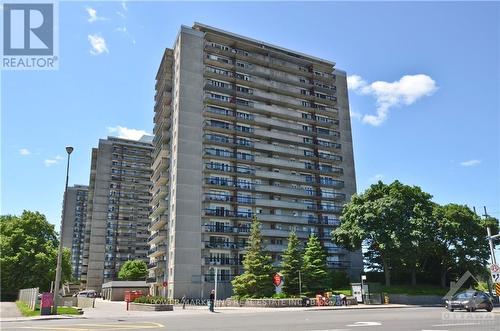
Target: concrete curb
(41, 318)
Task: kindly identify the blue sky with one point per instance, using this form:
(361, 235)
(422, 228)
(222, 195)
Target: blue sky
(438, 129)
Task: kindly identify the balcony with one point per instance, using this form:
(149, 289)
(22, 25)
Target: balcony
(157, 237)
(217, 228)
(227, 213)
(338, 264)
(282, 204)
(286, 218)
(227, 168)
(225, 278)
(229, 198)
(278, 135)
(278, 149)
(218, 181)
(283, 125)
(157, 223)
(279, 162)
(275, 248)
(157, 251)
(221, 261)
(286, 233)
(223, 245)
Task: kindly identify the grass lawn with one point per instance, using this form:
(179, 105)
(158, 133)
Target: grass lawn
(26, 311)
(415, 290)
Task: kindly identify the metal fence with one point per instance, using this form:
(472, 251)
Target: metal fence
(29, 296)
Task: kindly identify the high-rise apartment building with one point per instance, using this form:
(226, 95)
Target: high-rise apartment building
(244, 128)
(118, 208)
(74, 220)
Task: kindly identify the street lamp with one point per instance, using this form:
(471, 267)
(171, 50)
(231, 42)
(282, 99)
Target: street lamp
(69, 149)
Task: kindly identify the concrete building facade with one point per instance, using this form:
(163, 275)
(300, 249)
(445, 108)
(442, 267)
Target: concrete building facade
(118, 209)
(244, 128)
(74, 220)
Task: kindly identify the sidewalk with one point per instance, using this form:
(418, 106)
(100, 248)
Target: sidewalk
(10, 313)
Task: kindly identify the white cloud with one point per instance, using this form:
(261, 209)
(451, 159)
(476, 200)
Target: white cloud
(124, 5)
(53, 161)
(122, 29)
(355, 82)
(405, 91)
(98, 44)
(356, 115)
(24, 151)
(470, 163)
(376, 178)
(126, 133)
(93, 15)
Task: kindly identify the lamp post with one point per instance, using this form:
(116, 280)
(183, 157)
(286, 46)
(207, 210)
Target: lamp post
(69, 149)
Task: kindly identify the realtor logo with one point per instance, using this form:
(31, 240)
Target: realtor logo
(28, 36)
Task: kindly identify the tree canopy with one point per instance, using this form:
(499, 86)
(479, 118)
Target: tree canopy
(403, 231)
(315, 276)
(256, 280)
(133, 270)
(291, 266)
(29, 248)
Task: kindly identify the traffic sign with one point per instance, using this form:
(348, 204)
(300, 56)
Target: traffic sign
(495, 273)
(165, 284)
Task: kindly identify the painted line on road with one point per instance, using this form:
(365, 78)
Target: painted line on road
(457, 324)
(365, 324)
(107, 327)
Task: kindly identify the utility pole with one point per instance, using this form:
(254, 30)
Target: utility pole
(491, 239)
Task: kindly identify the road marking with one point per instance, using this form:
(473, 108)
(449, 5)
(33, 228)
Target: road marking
(107, 327)
(365, 324)
(457, 324)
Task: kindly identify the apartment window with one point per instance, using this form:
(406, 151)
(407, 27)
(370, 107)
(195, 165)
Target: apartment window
(305, 104)
(244, 89)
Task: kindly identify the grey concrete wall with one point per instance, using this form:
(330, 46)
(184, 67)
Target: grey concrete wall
(349, 177)
(69, 218)
(186, 191)
(99, 217)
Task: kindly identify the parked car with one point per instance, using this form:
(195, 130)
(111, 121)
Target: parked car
(470, 301)
(86, 294)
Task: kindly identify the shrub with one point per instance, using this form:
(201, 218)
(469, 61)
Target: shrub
(154, 300)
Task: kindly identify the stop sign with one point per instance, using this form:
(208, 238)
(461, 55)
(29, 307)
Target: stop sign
(277, 279)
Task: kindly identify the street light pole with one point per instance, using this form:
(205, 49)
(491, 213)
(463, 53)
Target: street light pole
(69, 149)
(300, 285)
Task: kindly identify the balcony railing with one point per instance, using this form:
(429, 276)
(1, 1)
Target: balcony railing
(225, 278)
(228, 198)
(224, 245)
(227, 213)
(226, 228)
(228, 168)
(222, 261)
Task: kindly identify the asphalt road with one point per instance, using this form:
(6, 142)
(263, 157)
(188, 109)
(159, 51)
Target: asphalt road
(419, 319)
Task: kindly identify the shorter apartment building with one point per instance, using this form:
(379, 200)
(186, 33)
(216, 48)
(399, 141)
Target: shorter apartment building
(118, 208)
(74, 218)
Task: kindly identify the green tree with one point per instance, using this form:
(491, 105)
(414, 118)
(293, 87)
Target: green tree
(394, 222)
(314, 270)
(291, 266)
(460, 240)
(133, 270)
(29, 248)
(256, 280)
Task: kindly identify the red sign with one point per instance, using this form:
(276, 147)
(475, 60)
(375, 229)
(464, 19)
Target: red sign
(47, 300)
(165, 284)
(277, 279)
